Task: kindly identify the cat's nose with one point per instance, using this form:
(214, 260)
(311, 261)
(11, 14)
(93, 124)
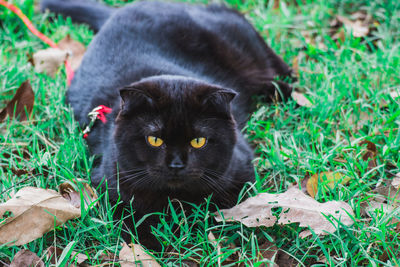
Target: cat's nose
(176, 164)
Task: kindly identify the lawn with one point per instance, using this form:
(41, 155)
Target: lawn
(350, 72)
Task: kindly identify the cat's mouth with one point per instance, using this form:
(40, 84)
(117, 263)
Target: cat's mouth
(175, 182)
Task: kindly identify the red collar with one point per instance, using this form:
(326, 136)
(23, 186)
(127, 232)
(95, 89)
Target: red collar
(97, 113)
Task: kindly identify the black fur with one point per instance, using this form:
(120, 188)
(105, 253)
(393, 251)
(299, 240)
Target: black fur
(172, 70)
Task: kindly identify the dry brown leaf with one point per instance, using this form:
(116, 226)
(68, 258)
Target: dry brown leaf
(295, 65)
(53, 253)
(75, 50)
(131, 256)
(387, 193)
(268, 251)
(376, 205)
(370, 154)
(72, 191)
(359, 28)
(286, 260)
(339, 36)
(296, 208)
(396, 181)
(49, 60)
(68, 192)
(395, 93)
(23, 100)
(214, 241)
(329, 179)
(301, 99)
(107, 259)
(35, 211)
(276, 4)
(25, 257)
(340, 159)
(384, 197)
(78, 257)
(357, 120)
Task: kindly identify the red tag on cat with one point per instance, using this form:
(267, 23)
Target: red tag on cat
(97, 113)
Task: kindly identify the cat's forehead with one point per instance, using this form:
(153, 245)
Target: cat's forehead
(153, 125)
(175, 124)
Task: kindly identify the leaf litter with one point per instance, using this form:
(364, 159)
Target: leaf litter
(49, 60)
(21, 104)
(328, 179)
(301, 99)
(25, 257)
(75, 50)
(54, 253)
(33, 212)
(296, 208)
(134, 255)
(76, 191)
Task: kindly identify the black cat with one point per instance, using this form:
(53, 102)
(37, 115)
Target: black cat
(179, 79)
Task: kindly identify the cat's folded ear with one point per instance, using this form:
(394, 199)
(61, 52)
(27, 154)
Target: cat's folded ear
(133, 98)
(216, 98)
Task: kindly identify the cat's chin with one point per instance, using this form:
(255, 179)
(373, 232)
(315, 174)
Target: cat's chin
(175, 183)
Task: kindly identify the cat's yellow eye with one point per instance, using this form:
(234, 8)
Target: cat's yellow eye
(154, 141)
(198, 142)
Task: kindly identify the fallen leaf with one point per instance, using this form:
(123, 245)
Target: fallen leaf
(131, 255)
(276, 4)
(106, 259)
(285, 259)
(25, 257)
(395, 94)
(34, 211)
(295, 66)
(396, 181)
(215, 243)
(53, 253)
(49, 60)
(75, 50)
(372, 206)
(359, 28)
(383, 197)
(78, 257)
(328, 179)
(340, 160)
(296, 208)
(370, 154)
(19, 172)
(301, 99)
(387, 193)
(68, 192)
(356, 121)
(268, 251)
(23, 100)
(339, 36)
(73, 191)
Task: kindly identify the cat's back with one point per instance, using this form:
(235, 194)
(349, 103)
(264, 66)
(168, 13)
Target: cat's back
(140, 40)
(211, 43)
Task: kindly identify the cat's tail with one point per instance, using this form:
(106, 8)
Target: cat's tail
(82, 11)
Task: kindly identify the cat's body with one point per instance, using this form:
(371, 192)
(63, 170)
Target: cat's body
(179, 66)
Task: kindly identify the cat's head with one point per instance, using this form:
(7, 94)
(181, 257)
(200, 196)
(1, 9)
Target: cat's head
(174, 133)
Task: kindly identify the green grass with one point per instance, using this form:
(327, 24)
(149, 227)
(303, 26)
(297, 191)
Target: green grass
(344, 80)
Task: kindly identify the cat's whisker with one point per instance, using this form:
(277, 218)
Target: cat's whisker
(214, 185)
(220, 176)
(119, 173)
(140, 181)
(132, 177)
